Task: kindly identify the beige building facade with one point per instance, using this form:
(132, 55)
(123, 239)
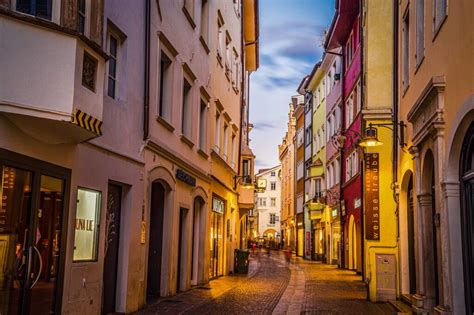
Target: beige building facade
(109, 148)
(286, 151)
(436, 95)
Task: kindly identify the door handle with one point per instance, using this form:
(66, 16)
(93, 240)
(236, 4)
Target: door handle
(40, 268)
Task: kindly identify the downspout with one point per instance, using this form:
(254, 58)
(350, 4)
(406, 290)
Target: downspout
(341, 152)
(146, 92)
(395, 102)
(242, 56)
(361, 163)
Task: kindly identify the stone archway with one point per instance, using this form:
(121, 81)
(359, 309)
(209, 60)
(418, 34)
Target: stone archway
(407, 235)
(352, 257)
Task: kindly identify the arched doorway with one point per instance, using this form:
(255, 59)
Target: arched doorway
(411, 236)
(352, 244)
(431, 223)
(467, 215)
(155, 246)
(198, 239)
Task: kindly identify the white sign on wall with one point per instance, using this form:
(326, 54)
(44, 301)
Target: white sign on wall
(86, 225)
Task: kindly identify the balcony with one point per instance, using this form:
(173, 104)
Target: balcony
(41, 84)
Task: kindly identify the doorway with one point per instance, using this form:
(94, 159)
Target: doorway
(411, 236)
(112, 241)
(32, 227)
(352, 244)
(467, 215)
(216, 245)
(182, 241)
(155, 247)
(196, 249)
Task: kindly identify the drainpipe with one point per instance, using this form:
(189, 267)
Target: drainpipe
(242, 55)
(361, 163)
(395, 101)
(341, 152)
(146, 92)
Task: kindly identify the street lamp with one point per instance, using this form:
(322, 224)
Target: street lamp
(370, 135)
(245, 180)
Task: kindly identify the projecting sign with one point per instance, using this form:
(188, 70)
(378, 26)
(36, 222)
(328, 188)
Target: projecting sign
(372, 201)
(185, 177)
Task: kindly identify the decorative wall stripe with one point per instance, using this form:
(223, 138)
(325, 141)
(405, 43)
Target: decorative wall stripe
(87, 122)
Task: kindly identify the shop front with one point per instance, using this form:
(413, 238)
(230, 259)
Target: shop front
(335, 236)
(300, 234)
(217, 237)
(33, 218)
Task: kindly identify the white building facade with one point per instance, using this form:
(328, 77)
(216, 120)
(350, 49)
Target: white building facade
(268, 206)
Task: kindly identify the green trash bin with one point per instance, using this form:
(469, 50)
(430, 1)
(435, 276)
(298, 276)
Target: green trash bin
(241, 261)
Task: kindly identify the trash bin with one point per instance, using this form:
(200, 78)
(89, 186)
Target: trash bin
(241, 261)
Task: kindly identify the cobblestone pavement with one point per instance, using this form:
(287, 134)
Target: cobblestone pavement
(272, 287)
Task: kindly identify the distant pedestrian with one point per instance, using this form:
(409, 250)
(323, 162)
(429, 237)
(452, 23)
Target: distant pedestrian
(288, 256)
(254, 246)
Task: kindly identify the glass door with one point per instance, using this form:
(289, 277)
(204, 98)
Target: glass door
(31, 213)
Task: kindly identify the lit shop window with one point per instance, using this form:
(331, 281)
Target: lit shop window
(87, 225)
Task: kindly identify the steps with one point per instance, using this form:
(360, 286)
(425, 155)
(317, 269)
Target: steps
(403, 306)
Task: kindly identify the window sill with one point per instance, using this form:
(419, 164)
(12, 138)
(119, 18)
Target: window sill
(164, 123)
(204, 44)
(203, 154)
(186, 140)
(189, 17)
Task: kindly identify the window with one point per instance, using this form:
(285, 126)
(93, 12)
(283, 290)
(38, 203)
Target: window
(226, 141)
(317, 188)
(39, 8)
(419, 31)
(273, 174)
(237, 7)
(205, 20)
(218, 132)
(352, 165)
(228, 56)
(112, 75)
(359, 96)
(348, 168)
(203, 126)
(272, 218)
(186, 110)
(87, 225)
(188, 10)
(220, 36)
(89, 70)
(273, 186)
(349, 51)
(232, 154)
(318, 140)
(262, 202)
(273, 202)
(164, 104)
(350, 110)
(308, 136)
(330, 176)
(334, 71)
(405, 50)
(439, 14)
(81, 15)
(246, 167)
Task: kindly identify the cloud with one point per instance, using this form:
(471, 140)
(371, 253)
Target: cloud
(290, 45)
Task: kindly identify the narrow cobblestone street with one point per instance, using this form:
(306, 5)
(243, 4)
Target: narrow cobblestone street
(272, 287)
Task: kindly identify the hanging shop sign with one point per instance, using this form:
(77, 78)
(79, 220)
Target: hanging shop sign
(87, 227)
(218, 205)
(185, 177)
(372, 201)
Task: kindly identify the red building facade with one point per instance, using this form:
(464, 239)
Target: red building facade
(344, 35)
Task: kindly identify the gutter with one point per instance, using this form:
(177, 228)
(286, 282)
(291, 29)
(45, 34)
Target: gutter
(146, 91)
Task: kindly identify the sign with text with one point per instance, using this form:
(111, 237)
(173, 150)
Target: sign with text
(218, 205)
(87, 229)
(372, 201)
